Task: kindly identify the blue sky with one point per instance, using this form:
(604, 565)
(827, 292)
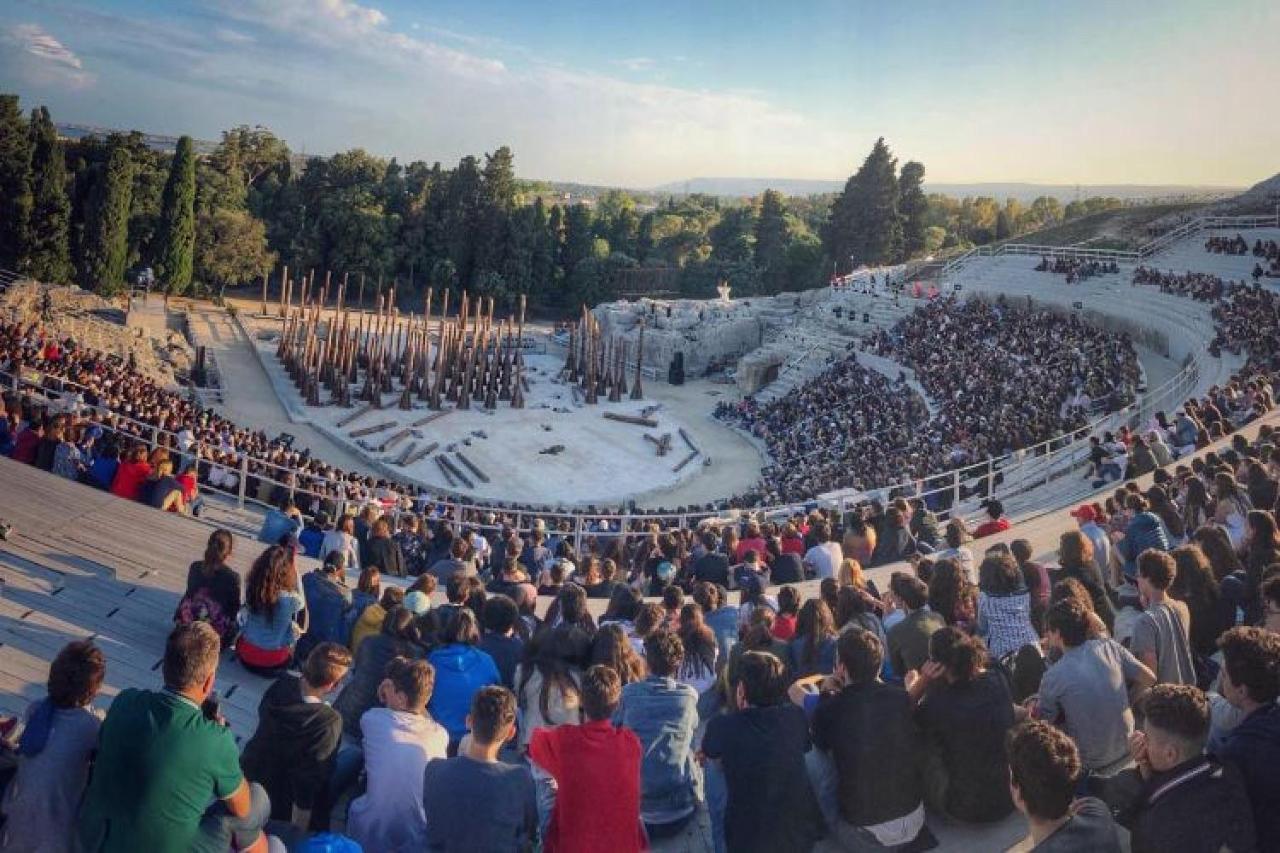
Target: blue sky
(639, 94)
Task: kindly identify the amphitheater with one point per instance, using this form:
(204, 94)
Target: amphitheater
(82, 563)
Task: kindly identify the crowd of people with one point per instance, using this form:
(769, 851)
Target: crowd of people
(1200, 286)
(1266, 251)
(1076, 269)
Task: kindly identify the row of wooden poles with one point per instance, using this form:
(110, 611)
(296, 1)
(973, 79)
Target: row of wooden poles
(475, 357)
(598, 365)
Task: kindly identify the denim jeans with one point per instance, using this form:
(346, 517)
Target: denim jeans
(219, 829)
(347, 765)
(822, 775)
(717, 793)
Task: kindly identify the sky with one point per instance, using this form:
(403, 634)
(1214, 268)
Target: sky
(640, 94)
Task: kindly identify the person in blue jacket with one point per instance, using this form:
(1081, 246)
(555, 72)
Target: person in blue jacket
(1145, 530)
(461, 670)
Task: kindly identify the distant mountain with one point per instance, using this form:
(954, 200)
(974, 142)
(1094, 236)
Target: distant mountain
(735, 187)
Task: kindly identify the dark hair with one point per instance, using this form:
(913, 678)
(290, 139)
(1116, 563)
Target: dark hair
(911, 590)
(861, 654)
(190, 655)
(456, 587)
(999, 574)
(416, 679)
(601, 692)
(961, 654)
(76, 674)
(672, 597)
(816, 625)
(664, 653)
(493, 709)
(1252, 660)
(1070, 618)
(269, 577)
(762, 677)
(326, 664)
(623, 604)
(217, 550)
(612, 649)
(788, 600)
(1181, 710)
(462, 628)
(370, 580)
(500, 614)
(1044, 764)
(1158, 567)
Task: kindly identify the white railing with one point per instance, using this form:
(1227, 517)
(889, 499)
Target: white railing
(1187, 229)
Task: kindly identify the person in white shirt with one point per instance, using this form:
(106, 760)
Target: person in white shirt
(823, 558)
(398, 740)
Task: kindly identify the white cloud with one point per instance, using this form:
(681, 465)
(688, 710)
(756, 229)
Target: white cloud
(636, 63)
(42, 59)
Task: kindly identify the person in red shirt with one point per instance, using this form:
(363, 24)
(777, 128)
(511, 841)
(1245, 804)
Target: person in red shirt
(131, 477)
(753, 541)
(585, 761)
(995, 523)
(784, 626)
(792, 540)
(28, 441)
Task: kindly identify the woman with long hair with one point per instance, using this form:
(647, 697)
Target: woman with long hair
(213, 589)
(1168, 513)
(813, 651)
(1197, 508)
(855, 609)
(700, 650)
(1216, 544)
(784, 626)
(1195, 586)
(951, 596)
(611, 648)
(1075, 558)
(1232, 506)
(1004, 606)
(1261, 549)
(461, 670)
(548, 683)
(272, 598)
(342, 538)
(131, 475)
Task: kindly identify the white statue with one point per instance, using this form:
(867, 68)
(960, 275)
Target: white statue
(723, 289)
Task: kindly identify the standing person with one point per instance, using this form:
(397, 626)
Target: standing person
(822, 560)
(663, 713)
(163, 756)
(1161, 637)
(382, 551)
(585, 760)
(272, 600)
(474, 802)
(759, 750)
(460, 670)
(964, 710)
(55, 753)
(909, 638)
(1088, 690)
(1044, 772)
(292, 751)
(862, 730)
(1187, 800)
(213, 590)
(399, 740)
(1250, 681)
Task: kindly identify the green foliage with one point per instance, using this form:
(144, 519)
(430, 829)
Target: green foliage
(250, 154)
(176, 237)
(913, 207)
(865, 225)
(106, 228)
(48, 248)
(771, 237)
(16, 198)
(233, 249)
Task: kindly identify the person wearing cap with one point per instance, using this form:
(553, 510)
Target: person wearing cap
(328, 599)
(1090, 518)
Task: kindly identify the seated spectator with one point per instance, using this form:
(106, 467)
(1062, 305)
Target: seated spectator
(548, 681)
(1187, 800)
(372, 618)
(164, 492)
(1087, 691)
(342, 538)
(1004, 606)
(784, 626)
(279, 522)
(328, 600)
(1250, 681)
(399, 740)
(454, 563)
(586, 759)
(759, 751)
(964, 710)
(474, 801)
(865, 770)
(1075, 557)
(163, 756)
(894, 542)
(398, 637)
(1090, 517)
(909, 638)
(1044, 771)
(272, 600)
(956, 536)
(784, 567)
(1036, 576)
(291, 753)
(611, 648)
(995, 523)
(701, 652)
(813, 650)
(1145, 530)
(55, 752)
(213, 590)
(460, 670)
(823, 558)
(366, 594)
(382, 551)
(500, 640)
(664, 714)
(1161, 637)
(131, 475)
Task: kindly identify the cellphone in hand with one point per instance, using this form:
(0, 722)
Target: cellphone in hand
(211, 707)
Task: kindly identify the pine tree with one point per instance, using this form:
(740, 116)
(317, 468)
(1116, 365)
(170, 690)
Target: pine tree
(913, 205)
(176, 239)
(578, 238)
(15, 182)
(865, 226)
(1004, 227)
(106, 227)
(771, 242)
(48, 250)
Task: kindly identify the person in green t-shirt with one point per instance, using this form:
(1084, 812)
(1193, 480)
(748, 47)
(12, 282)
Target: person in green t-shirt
(162, 762)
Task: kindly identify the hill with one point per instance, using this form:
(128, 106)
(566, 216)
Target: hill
(1023, 192)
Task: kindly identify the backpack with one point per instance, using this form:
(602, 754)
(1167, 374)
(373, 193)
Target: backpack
(199, 606)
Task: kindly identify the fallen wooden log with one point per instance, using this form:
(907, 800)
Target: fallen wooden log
(683, 462)
(358, 413)
(688, 441)
(408, 451)
(434, 416)
(663, 444)
(471, 466)
(370, 430)
(394, 440)
(453, 469)
(444, 469)
(418, 454)
(632, 419)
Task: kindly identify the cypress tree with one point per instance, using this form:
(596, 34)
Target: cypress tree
(865, 226)
(48, 251)
(106, 228)
(176, 236)
(913, 205)
(771, 242)
(15, 182)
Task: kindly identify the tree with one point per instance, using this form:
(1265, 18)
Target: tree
(48, 250)
(1044, 211)
(865, 226)
(16, 198)
(771, 242)
(913, 205)
(233, 249)
(106, 229)
(1004, 228)
(175, 252)
(249, 153)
